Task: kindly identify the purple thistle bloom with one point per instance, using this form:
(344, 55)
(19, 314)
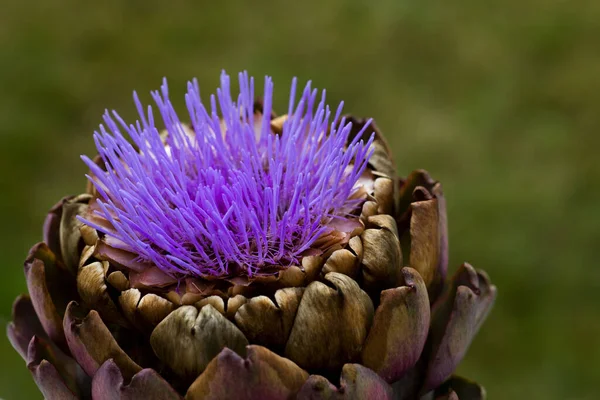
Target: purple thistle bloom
(228, 196)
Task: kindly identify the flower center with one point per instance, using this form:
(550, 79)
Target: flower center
(229, 194)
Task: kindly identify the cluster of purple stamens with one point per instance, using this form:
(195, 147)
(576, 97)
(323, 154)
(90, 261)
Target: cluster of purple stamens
(227, 196)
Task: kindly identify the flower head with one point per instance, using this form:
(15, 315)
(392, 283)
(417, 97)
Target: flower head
(248, 256)
(227, 195)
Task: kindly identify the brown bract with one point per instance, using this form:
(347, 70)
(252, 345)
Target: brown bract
(366, 314)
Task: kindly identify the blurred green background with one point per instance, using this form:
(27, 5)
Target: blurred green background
(499, 100)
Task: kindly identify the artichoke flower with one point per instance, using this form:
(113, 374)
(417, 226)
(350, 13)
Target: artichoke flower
(246, 255)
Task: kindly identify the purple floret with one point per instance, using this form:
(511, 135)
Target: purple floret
(226, 197)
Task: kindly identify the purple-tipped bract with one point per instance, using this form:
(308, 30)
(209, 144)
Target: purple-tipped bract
(227, 196)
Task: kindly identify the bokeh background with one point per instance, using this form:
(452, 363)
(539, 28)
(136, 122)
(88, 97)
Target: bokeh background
(499, 100)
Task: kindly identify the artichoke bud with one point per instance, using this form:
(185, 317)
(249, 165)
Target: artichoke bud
(248, 255)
